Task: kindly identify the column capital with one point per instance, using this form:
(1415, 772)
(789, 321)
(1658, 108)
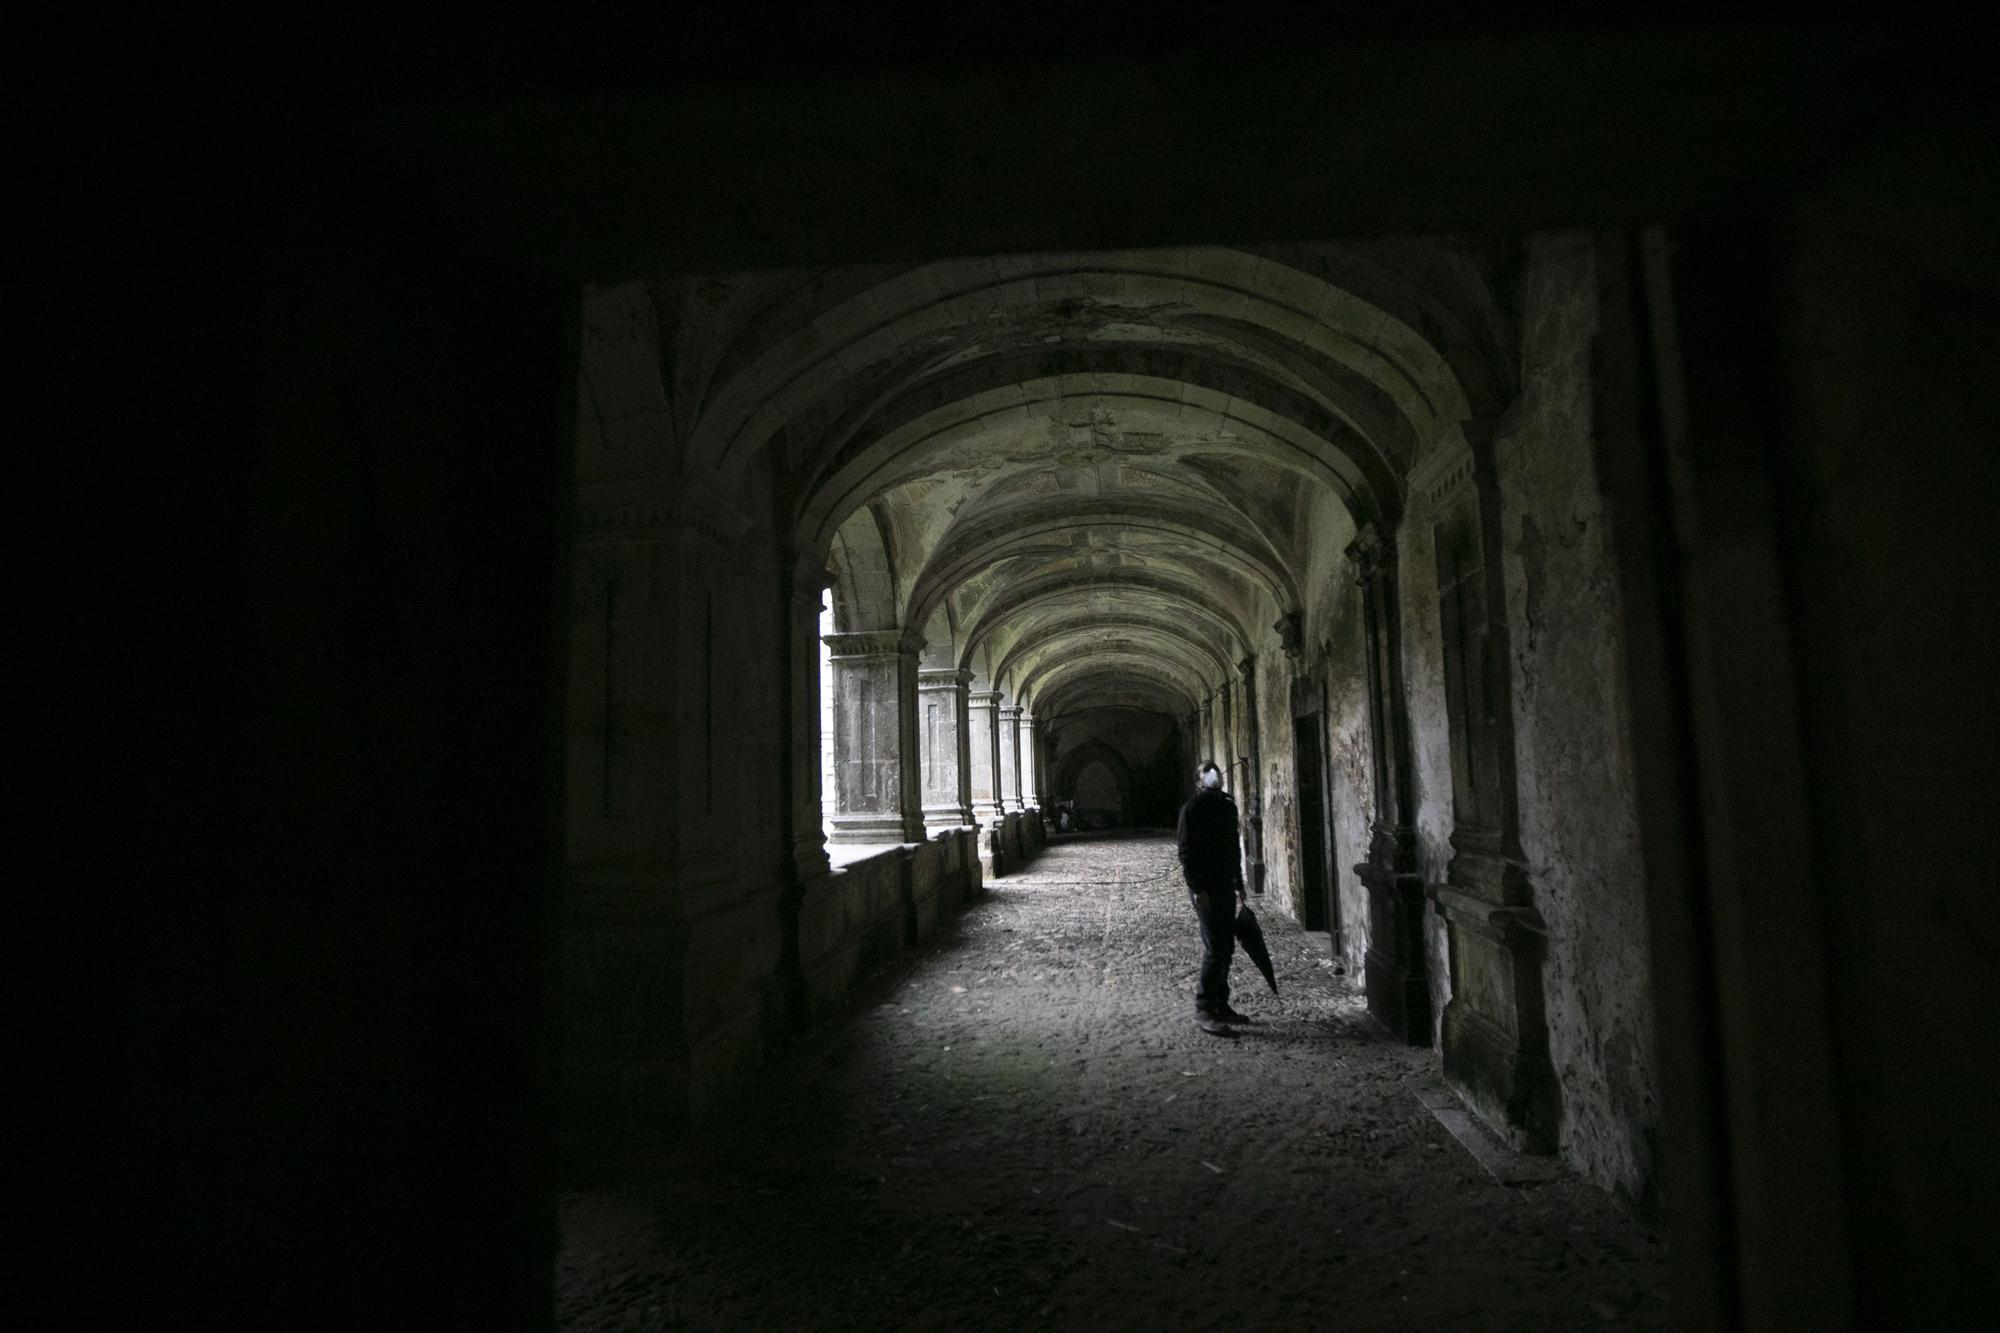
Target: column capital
(943, 678)
(1291, 634)
(1011, 711)
(1370, 552)
(872, 643)
(985, 698)
(1247, 668)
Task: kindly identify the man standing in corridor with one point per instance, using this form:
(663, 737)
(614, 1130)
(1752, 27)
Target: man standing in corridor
(1212, 861)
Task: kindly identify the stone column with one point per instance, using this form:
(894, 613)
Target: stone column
(1010, 758)
(983, 708)
(1206, 734)
(656, 884)
(942, 713)
(1395, 975)
(1253, 780)
(1031, 762)
(807, 838)
(875, 738)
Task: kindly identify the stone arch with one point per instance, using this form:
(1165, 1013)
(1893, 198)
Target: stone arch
(1177, 593)
(888, 329)
(1095, 753)
(940, 647)
(1063, 636)
(1019, 425)
(1235, 546)
(864, 587)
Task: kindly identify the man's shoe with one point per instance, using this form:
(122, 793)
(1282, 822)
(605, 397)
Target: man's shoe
(1213, 1025)
(1229, 1015)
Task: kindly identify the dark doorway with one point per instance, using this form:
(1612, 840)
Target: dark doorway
(1315, 908)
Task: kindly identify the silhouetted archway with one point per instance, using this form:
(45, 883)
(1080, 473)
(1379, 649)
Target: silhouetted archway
(1091, 773)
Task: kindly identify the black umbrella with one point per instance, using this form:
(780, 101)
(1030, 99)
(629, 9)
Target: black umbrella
(1251, 936)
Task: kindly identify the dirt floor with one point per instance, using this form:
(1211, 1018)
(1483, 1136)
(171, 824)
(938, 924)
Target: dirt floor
(1022, 1127)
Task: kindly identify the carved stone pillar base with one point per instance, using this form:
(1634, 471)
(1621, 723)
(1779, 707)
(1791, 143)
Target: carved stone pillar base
(1395, 980)
(1495, 1037)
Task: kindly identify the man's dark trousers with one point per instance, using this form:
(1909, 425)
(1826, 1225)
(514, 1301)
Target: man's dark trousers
(1218, 943)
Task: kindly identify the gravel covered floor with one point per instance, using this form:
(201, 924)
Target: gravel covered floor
(1023, 1127)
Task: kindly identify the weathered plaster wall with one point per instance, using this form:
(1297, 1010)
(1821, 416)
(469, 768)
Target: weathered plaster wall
(1578, 822)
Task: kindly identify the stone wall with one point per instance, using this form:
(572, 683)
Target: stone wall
(1016, 839)
(1889, 474)
(1578, 821)
(858, 918)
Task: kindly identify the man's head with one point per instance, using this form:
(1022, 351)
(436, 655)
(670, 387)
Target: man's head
(1208, 775)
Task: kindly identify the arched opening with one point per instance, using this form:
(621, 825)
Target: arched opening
(1550, 519)
(1100, 799)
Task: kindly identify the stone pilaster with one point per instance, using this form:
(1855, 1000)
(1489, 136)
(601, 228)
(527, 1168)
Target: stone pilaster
(653, 1034)
(1395, 976)
(943, 716)
(1253, 780)
(983, 711)
(876, 793)
(1010, 758)
(1495, 1033)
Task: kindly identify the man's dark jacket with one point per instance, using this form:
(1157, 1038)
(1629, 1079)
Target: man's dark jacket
(1210, 853)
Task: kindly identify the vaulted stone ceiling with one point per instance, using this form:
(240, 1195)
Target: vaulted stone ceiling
(1087, 477)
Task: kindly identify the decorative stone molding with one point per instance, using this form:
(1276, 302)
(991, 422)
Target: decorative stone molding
(1450, 478)
(1291, 634)
(866, 643)
(1370, 554)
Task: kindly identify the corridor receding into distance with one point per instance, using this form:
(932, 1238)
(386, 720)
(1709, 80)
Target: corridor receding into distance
(926, 565)
(624, 609)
